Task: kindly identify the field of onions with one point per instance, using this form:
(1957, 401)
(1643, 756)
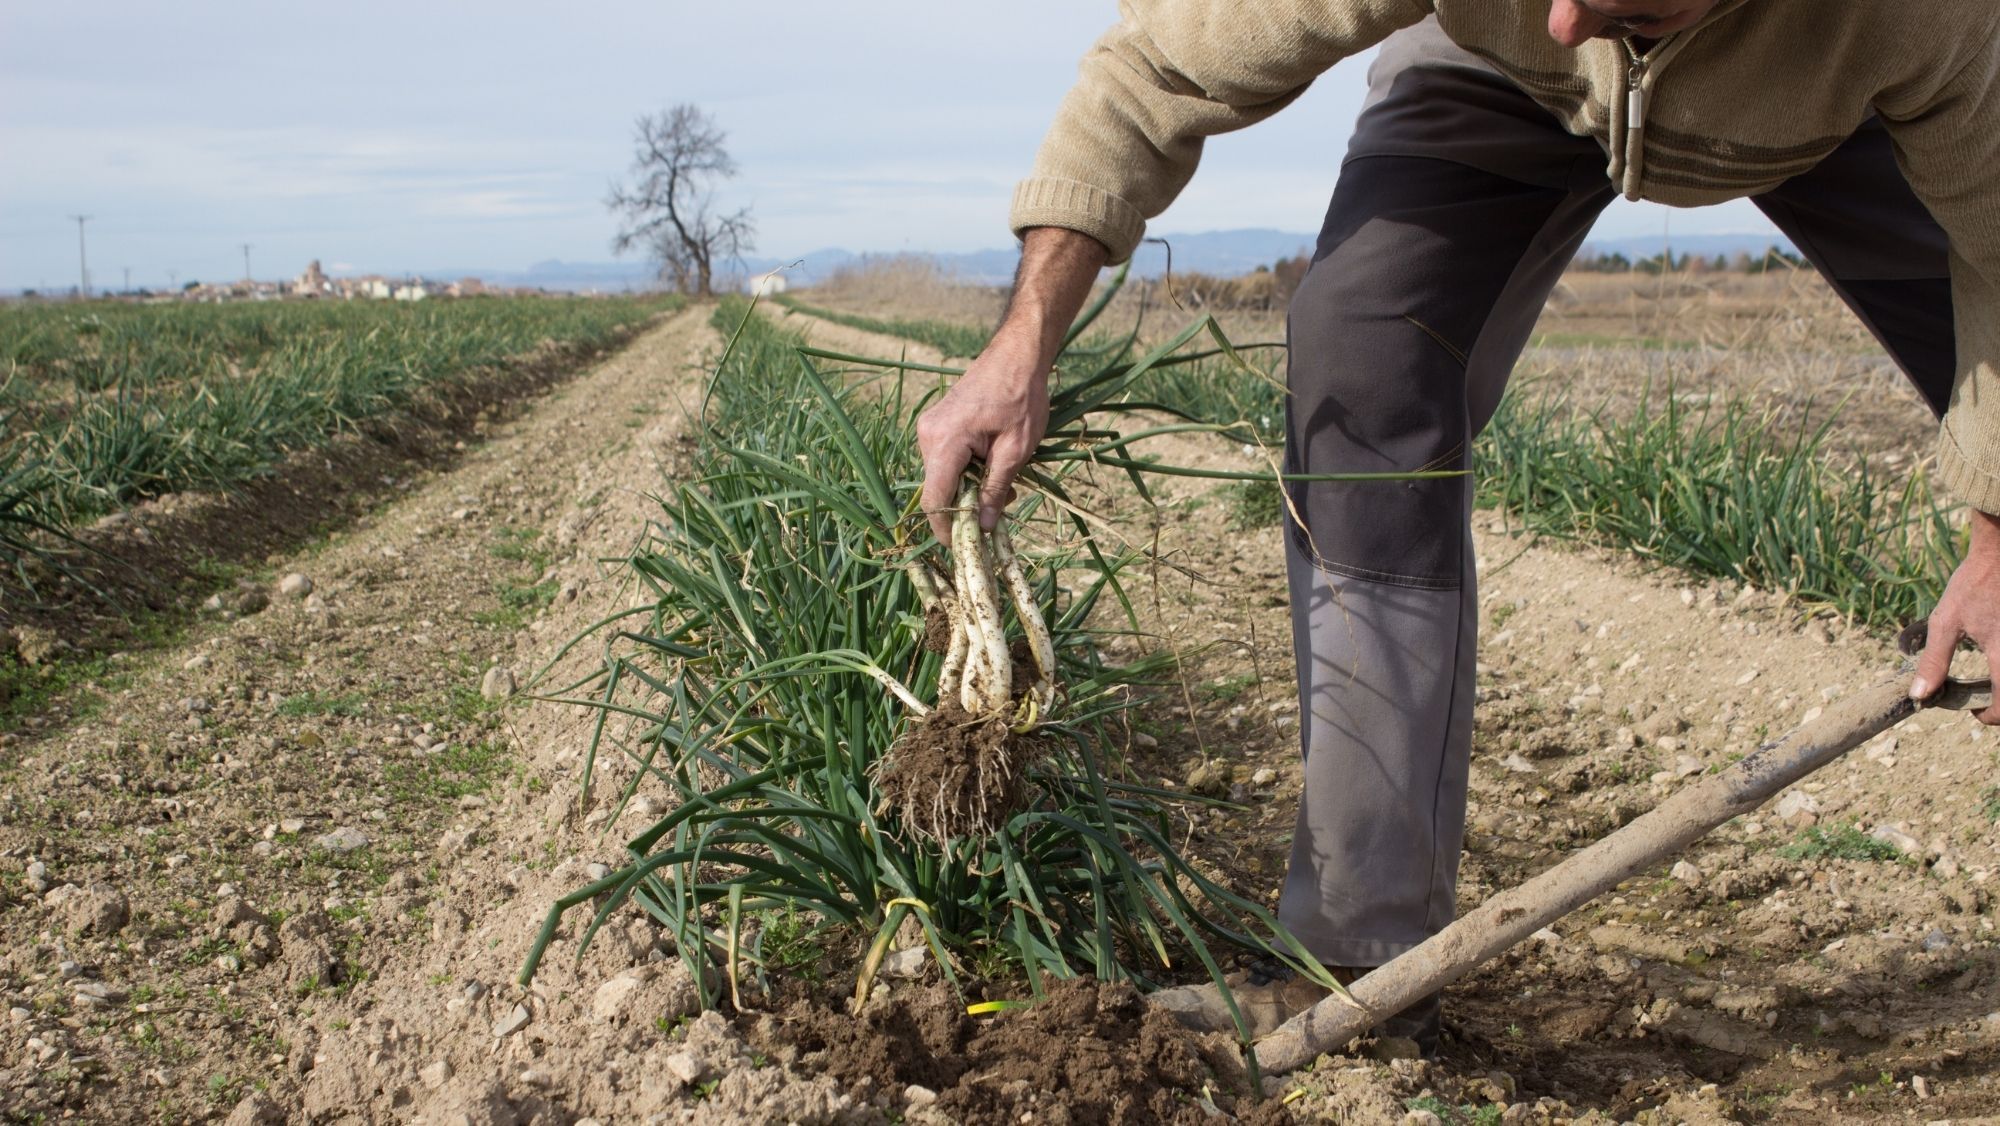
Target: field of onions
(103, 405)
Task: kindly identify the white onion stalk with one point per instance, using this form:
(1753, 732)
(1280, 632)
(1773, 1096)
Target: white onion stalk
(978, 671)
(989, 674)
(1041, 647)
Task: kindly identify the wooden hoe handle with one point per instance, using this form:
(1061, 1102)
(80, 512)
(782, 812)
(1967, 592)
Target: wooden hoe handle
(1513, 915)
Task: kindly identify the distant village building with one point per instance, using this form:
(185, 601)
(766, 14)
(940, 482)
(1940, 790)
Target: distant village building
(312, 283)
(764, 285)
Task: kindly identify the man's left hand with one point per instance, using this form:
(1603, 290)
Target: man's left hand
(1970, 608)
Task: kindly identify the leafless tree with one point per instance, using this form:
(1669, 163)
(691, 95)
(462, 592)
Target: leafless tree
(668, 209)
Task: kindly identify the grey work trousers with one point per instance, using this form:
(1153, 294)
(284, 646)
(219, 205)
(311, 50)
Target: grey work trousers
(1458, 206)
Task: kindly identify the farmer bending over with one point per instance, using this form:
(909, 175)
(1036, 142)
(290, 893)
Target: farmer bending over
(1494, 132)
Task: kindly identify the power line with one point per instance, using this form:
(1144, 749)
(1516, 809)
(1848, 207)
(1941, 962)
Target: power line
(82, 263)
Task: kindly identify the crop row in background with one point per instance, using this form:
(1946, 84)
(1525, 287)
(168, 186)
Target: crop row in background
(103, 405)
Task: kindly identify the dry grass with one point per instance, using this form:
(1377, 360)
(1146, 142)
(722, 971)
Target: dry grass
(912, 286)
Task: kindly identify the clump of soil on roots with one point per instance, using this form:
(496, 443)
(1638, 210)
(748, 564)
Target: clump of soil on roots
(937, 628)
(955, 775)
(1089, 1052)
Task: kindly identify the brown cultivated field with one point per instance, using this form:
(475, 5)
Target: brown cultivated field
(285, 865)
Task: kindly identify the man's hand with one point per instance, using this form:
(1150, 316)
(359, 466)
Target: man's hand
(999, 408)
(1970, 608)
(997, 411)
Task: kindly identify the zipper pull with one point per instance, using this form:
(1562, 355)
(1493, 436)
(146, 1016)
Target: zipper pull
(1635, 92)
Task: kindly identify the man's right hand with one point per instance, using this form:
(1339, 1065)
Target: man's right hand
(997, 412)
(999, 409)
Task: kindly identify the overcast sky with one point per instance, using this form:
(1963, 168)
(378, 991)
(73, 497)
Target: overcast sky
(429, 135)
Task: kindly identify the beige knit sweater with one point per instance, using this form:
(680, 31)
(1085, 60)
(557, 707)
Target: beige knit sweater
(1758, 92)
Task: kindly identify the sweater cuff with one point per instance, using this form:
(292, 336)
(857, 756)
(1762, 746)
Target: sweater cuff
(1076, 206)
(1956, 471)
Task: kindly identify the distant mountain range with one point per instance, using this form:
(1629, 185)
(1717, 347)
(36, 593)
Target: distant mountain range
(1221, 253)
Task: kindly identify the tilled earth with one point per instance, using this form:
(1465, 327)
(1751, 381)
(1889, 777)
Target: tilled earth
(287, 870)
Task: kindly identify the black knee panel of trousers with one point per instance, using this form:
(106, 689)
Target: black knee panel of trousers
(1413, 257)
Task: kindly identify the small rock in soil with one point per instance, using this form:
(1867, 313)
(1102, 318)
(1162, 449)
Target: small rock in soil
(1390, 1048)
(436, 1074)
(38, 877)
(513, 1022)
(1211, 780)
(1264, 776)
(905, 963)
(611, 998)
(499, 683)
(1897, 839)
(686, 1067)
(295, 585)
(256, 1109)
(1794, 803)
(248, 602)
(96, 994)
(1686, 873)
(344, 839)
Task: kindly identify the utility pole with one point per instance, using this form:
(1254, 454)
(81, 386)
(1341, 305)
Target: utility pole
(128, 279)
(174, 280)
(82, 263)
(246, 261)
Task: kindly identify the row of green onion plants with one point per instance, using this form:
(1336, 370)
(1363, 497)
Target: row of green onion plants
(1726, 490)
(103, 405)
(744, 690)
(1719, 488)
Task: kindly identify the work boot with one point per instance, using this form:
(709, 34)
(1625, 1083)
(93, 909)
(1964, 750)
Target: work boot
(1267, 993)
(1418, 1024)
